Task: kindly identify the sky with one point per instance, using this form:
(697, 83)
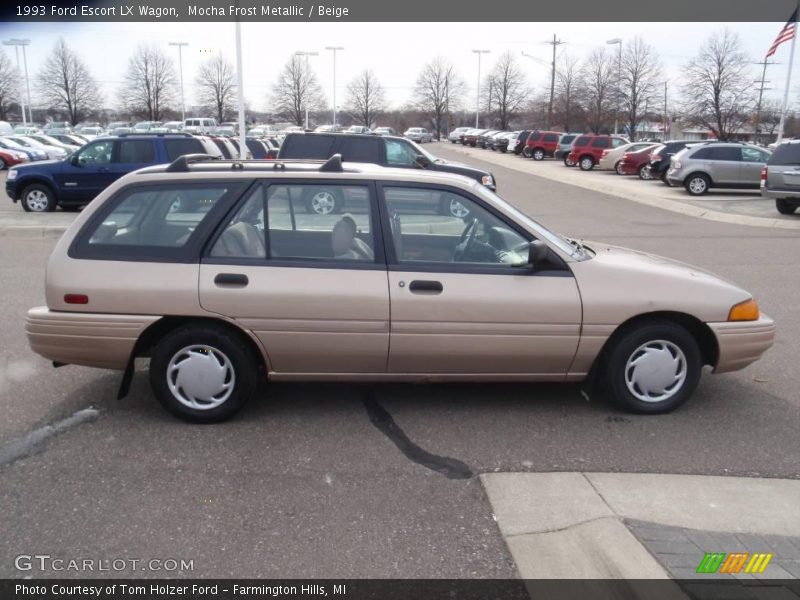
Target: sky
(395, 51)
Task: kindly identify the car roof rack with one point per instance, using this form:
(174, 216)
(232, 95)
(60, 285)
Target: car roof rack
(183, 163)
(159, 133)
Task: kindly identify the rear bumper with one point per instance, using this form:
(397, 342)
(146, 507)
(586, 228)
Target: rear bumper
(90, 339)
(742, 342)
(780, 194)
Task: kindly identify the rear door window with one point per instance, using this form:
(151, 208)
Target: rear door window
(312, 147)
(550, 137)
(583, 140)
(362, 150)
(600, 142)
(136, 151)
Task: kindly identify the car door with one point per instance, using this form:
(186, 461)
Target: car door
(312, 287)
(458, 304)
(752, 161)
(87, 172)
(724, 165)
(132, 154)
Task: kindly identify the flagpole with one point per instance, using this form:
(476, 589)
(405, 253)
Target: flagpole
(786, 88)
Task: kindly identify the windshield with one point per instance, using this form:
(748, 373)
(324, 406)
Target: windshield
(567, 246)
(425, 153)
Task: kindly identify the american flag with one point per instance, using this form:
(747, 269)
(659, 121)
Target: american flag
(785, 35)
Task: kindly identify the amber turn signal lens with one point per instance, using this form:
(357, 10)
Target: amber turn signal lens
(744, 311)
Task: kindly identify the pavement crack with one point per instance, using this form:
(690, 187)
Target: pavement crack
(380, 417)
(34, 441)
(565, 528)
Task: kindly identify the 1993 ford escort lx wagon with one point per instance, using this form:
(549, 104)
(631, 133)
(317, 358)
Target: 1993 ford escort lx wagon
(217, 271)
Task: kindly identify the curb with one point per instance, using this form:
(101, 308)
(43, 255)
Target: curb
(664, 203)
(32, 231)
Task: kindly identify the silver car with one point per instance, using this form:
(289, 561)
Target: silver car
(456, 134)
(780, 179)
(699, 167)
(418, 134)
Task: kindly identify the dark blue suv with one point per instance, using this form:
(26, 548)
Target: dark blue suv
(76, 180)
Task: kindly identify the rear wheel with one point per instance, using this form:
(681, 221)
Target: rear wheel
(526, 152)
(785, 206)
(653, 368)
(618, 168)
(697, 184)
(538, 154)
(568, 162)
(644, 173)
(38, 198)
(2, 164)
(586, 163)
(202, 373)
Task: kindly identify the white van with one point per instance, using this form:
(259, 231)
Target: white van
(200, 125)
(6, 128)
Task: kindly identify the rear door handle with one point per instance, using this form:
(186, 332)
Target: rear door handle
(420, 286)
(231, 279)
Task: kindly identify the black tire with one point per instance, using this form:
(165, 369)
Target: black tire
(2, 164)
(452, 141)
(644, 173)
(38, 198)
(697, 184)
(219, 340)
(568, 162)
(537, 154)
(503, 150)
(618, 168)
(72, 207)
(785, 206)
(526, 152)
(629, 343)
(333, 201)
(586, 163)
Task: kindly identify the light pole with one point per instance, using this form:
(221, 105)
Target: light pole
(478, 94)
(334, 49)
(180, 46)
(305, 88)
(17, 43)
(618, 41)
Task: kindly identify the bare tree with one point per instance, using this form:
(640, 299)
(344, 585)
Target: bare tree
(365, 98)
(9, 85)
(638, 81)
(149, 85)
(66, 84)
(718, 85)
(570, 89)
(508, 89)
(598, 73)
(437, 87)
(296, 87)
(216, 81)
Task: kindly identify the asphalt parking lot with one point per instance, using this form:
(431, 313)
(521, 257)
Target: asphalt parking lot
(305, 482)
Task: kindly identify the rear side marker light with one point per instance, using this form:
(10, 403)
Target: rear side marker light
(76, 299)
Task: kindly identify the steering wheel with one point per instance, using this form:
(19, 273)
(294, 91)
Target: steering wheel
(466, 241)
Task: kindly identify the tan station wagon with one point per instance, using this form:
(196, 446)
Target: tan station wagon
(218, 270)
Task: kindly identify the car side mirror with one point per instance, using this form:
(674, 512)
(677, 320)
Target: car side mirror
(423, 161)
(73, 159)
(537, 253)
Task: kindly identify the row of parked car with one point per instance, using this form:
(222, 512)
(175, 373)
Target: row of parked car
(697, 166)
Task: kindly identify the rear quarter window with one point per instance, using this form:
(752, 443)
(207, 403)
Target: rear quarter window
(785, 154)
(313, 147)
(551, 137)
(362, 150)
(179, 147)
(166, 223)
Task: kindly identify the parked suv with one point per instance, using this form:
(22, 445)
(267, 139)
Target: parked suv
(726, 165)
(564, 146)
(541, 144)
(74, 181)
(517, 145)
(212, 273)
(381, 150)
(588, 149)
(780, 178)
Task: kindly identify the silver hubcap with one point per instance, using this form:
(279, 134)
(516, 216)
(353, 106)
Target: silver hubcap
(645, 173)
(655, 371)
(323, 203)
(586, 163)
(697, 185)
(36, 201)
(200, 377)
(538, 155)
(458, 210)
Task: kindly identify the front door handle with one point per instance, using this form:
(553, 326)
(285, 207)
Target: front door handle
(231, 279)
(420, 286)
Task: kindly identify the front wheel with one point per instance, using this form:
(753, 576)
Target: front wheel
(38, 198)
(2, 164)
(653, 368)
(538, 154)
(320, 201)
(202, 373)
(568, 161)
(526, 152)
(586, 163)
(785, 206)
